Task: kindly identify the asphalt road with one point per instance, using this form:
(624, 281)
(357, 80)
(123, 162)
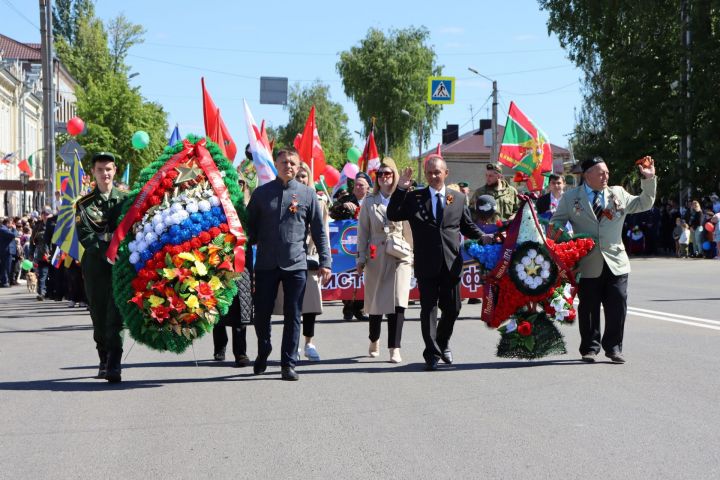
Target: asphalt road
(350, 416)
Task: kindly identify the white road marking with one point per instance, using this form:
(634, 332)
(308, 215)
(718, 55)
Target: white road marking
(667, 317)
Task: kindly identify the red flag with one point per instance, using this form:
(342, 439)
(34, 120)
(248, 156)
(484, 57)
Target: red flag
(25, 167)
(370, 159)
(264, 137)
(214, 123)
(309, 147)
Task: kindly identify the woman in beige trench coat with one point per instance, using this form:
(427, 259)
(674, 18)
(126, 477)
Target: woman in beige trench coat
(312, 301)
(387, 278)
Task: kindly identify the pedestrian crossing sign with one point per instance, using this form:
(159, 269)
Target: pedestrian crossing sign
(441, 90)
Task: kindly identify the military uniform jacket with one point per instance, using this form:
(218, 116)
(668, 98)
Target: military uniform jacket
(575, 207)
(96, 220)
(506, 199)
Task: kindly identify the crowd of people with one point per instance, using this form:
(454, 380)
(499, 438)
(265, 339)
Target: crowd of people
(398, 221)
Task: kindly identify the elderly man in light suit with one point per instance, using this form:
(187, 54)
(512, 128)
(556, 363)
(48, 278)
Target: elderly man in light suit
(599, 211)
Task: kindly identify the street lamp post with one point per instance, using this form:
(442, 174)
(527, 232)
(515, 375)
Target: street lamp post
(420, 143)
(494, 114)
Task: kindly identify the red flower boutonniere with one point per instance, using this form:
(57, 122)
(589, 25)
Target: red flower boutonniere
(450, 199)
(357, 212)
(293, 204)
(373, 252)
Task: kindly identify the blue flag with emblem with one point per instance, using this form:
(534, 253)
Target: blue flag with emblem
(65, 236)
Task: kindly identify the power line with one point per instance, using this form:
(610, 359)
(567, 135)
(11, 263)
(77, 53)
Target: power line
(220, 72)
(544, 92)
(289, 52)
(9, 4)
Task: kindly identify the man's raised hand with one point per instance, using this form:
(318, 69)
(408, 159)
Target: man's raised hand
(405, 181)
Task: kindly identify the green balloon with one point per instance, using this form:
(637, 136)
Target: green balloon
(353, 154)
(26, 265)
(140, 140)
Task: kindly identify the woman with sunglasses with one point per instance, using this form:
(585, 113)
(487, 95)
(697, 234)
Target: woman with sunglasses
(387, 269)
(312, 301)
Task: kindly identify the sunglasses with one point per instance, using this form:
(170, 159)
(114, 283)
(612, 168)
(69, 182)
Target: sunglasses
(385, 174)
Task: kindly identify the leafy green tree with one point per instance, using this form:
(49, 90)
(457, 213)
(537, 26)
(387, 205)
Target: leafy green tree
(123, 34)
(386, 74)
(111, 109)
(635, 103)
(330, 117)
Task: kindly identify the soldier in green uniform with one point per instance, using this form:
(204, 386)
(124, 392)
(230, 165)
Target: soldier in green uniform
(505, 195)
(96, 218)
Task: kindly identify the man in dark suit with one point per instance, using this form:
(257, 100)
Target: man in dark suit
(8, 250)
(437, 217)
(547, 204)
(280, 213)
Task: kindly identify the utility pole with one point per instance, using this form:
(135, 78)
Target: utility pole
(494, 128)
(46, 52)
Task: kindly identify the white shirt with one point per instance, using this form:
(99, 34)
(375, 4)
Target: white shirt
(434, 197)
(384, 200)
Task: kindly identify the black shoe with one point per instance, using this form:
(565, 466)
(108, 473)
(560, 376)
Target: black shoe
(588, 357)
(260, 365)
(242, 361)
(40, 298)
(360, 316)
(219, 356)
(473, 301)
(431, 364)
(347, 315)
(447, 356)
(102, 370)
(289, 373)
(615, 357)
(114, 370)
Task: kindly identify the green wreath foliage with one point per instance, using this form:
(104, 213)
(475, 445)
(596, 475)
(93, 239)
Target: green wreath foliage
(162, 337)
(544, 340)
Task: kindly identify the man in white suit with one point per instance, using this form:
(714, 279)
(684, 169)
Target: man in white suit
(599, 211)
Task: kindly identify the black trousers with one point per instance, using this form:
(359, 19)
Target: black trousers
(610, 291)
(239, 340)
(266, 287)
(395, 326)
(441, 290)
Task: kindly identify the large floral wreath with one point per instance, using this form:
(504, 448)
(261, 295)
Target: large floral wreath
(531, 287)
(179, 246)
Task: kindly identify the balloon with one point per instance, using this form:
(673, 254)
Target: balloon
(350, 170)
(140, 140)
(706, 245)
(26, 265)
(75, 126)
(709, 227)
(353, 154)
(332, 176)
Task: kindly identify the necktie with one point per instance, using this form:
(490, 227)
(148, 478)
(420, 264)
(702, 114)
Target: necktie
(439, 209)
(597, 206)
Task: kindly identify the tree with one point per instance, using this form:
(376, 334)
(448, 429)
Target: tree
(330, 117)
(634, 99)
(111, 109)
(386, 74)
(123, 35)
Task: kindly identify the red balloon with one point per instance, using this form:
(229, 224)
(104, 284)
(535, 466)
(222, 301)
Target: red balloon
(709, 227)
(332, 176)
(75, 126)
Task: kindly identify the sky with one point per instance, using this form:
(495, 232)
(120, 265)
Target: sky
(232, 44)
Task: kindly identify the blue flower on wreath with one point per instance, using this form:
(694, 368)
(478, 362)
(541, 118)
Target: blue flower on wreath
(487, 255)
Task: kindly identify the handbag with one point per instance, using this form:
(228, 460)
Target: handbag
(313, 262)
(397, 248)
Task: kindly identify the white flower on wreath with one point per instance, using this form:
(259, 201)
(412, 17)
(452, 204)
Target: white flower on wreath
(511, 325)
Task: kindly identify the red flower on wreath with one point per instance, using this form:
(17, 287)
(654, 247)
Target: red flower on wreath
(204, 291)
(204, 237)
(525, 328)
(160, 313)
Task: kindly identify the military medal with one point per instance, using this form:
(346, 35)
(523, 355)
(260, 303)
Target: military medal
(577, 208)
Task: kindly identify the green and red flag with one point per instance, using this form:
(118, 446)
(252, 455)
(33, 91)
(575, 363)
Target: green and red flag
(525, 148)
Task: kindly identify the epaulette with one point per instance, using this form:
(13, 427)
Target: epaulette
(86, 198)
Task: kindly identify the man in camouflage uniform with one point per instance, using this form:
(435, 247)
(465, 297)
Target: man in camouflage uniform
(505, 195)
(96, 218)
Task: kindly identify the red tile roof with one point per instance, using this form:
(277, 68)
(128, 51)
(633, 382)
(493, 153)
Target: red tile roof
(14, 50)
(471, 144)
